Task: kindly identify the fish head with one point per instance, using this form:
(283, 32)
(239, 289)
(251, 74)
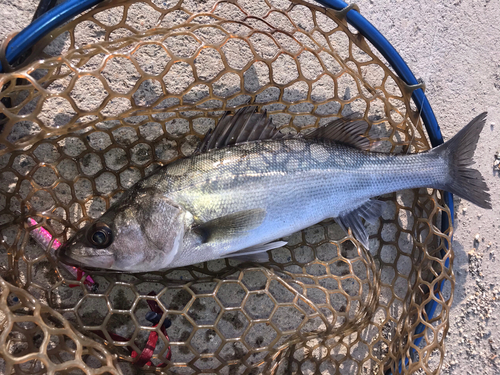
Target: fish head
(143, 232)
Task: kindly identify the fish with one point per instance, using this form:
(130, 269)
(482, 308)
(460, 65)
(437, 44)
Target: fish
(248, 185)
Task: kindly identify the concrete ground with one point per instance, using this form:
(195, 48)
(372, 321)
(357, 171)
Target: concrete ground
(453, 47)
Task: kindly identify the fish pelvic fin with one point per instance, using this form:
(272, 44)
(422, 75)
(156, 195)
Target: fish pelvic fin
(467, 183)
(258, 253)
(370, 211)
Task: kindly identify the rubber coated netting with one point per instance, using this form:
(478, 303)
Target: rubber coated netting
(129, 86)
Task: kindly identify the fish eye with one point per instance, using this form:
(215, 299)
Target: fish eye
(100, 235)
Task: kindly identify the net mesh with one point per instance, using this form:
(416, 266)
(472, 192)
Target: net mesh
(36, 339)
(130, 86)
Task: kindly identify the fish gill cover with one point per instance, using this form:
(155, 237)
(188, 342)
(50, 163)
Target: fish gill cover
(129, 86)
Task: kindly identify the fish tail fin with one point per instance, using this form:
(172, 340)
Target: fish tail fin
(467, 183)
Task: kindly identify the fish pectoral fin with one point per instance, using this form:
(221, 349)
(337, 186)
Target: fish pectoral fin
(346, 130)
(370, 211)
(230, 225)
(256, 253)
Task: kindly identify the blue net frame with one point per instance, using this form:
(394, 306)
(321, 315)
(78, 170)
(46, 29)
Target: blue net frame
(57, 16)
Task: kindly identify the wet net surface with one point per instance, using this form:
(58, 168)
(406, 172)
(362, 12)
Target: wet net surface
(130, 86)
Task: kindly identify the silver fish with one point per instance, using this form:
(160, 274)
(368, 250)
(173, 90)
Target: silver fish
(248, 186)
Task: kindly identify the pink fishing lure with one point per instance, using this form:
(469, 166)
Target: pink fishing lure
(43, 238)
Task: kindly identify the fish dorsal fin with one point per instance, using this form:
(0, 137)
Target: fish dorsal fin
(347, 130)
(370, 210)
(244, 126)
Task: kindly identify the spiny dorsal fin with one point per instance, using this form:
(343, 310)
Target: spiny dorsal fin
(347, 130)
(244, 126)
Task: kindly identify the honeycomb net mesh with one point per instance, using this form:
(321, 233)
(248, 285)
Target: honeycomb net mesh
(130, 86)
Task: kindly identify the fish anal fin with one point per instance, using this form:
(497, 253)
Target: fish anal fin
(258, 253)
(370, 210)
(245, 125)
(230, 225)
(346, 130)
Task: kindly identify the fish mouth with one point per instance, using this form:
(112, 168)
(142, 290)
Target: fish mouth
(64, 258)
